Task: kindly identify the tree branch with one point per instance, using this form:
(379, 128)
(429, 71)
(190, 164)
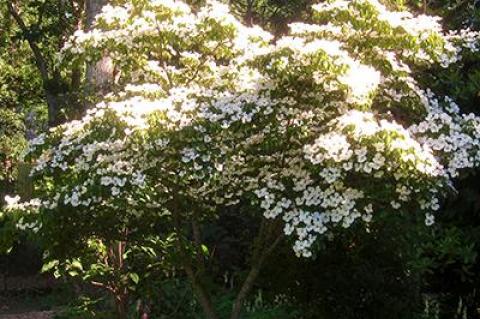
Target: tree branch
(258, 259)
(39, 58)
(202, 294)
(197, 239)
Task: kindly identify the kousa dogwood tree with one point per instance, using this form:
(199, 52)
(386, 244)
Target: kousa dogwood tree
(322, 129)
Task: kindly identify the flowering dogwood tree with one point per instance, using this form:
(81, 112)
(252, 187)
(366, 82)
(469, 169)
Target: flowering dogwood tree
(322, 129)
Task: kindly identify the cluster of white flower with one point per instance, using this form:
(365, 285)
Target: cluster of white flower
(420, 39)
(12, 201)
(414, 25)
(33, 226)
(361, 80)
(90, 170)
(29, 210)
(358, 147)
(211, 119)
(454, 138)
(457, 43)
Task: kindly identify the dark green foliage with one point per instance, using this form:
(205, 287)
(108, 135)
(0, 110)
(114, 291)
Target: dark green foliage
(11, 144)
(274, 15)
(449, 254)
(356, 275)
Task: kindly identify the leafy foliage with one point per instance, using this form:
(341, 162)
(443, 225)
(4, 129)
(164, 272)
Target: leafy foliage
(334, 129)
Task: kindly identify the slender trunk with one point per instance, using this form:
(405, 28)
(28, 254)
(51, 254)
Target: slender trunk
(75, 79)
(245, 290)
(121, 305)
(197, 239)
(92, 8)
(249, 13)
(42, 66)
(267, 233)
(100, 76)
(201, 293)
(118, 289)
(259, 258)
(77, 69)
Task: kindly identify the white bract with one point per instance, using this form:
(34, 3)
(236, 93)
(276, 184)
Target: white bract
(325, 127)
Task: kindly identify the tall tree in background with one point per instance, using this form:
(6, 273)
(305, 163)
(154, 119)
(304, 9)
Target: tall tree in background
(45, 26)
(99, 75)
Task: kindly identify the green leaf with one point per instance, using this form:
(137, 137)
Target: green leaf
(76, 264)
(135, 278)
(49, 266)
(205, 250)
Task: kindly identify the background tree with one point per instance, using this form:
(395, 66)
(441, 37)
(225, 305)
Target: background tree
(45, 25)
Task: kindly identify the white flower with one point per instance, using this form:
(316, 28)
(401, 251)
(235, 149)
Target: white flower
(115, 190)
(361, 80)
(106, 180)
(429, 219)
(395, 204)
(12, 201)
(74, 199)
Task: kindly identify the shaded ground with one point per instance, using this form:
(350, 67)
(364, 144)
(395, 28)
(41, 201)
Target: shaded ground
(30, 283)
(28, 297)
(30, 315)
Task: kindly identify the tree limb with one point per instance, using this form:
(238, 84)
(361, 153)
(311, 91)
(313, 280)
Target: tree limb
(39, 58)
(259, 256)
(202, 294)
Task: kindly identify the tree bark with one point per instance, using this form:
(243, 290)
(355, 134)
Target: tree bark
(202, 295)
(259, 258)
(121, 306)
(245, 290)
(92, 8)
(54, 106)
(119, 290)
(99, 74)
(42, 66)
(249, 13)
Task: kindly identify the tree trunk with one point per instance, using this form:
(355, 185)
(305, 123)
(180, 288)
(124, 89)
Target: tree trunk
(121, 305)
(53, 108)
(202, 295)
(245, 290)
(200, 292)
(42, 65)
(92, 8)
(259, 258)
(249, 13)
(99, 74)
(120, 291)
